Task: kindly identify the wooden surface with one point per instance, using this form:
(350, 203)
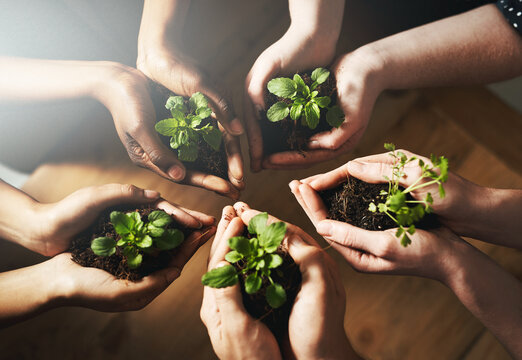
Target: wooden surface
(387, 317)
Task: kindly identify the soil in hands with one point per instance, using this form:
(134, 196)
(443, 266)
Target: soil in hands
(208, 161)
(349, 203)
(290, 135)
(117, 264)
(288, 276)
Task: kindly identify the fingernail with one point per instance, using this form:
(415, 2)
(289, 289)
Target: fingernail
(151, 194)
(313, 143)
(355, 166)
(236, 127)
(173, 274)
(324, 228)
(297, 241)
(176, 173)
(259, 111)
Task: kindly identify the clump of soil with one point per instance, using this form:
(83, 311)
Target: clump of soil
(208, 161)
(349, 203)
(116, 264)
(288, 276)
(290, 135)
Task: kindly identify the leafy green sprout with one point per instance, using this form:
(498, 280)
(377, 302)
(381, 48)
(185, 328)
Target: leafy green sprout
(184, 127)
(405, 213)
(138, 236)
(258, 256)
(305, 105)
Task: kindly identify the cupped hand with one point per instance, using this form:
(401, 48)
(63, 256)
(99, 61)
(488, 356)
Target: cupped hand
(58, 223)
(97, 289)
(183, 76)
(233, 332)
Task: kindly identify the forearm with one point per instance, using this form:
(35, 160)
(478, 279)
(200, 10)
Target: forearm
(490, 293)
(478, 46)
(28, 292)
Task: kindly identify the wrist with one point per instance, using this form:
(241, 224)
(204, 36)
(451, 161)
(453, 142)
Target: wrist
(454, 264)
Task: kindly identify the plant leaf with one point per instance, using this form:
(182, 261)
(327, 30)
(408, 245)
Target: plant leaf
(220, 277)
(171, 239)
(167, 127)
(174, 101)
(213, 136)
(233, 256)
(275, 295)
(320, 75)
(271, 238)
(257, 224)
(197, 100)
(389, 146)
(323, 101)
(241, 244)
(159, 218)
(122, 223)
(296, 111)
(274, 261)
(103, 246)
(278, 111)
(253, 283)
(282, 87)
(155, 231)
(335, 116)
(133, 257)
(204, 112)
(301, 86)
(312, 114)
(397, 201)
(188, 152)
(145, 242)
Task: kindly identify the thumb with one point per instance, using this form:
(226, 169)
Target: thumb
(223, 109)
(375, 172)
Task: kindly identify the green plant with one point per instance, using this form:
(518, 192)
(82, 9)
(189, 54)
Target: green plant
(184, 128)
(258, 259)
(305, 104)
(137, 236)
(405, 213)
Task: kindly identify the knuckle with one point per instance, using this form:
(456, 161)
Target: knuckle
(155, 156)
(130, 190)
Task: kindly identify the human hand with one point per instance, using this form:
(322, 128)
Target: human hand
(316, 324)
(233, 332)
(56, 224)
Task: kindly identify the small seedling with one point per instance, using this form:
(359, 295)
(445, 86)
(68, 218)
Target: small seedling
(305, 104)
(258, 257)
(405, 213)
(137, 236)
(184, 128)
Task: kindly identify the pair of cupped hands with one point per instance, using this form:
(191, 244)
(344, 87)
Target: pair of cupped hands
(130, 104)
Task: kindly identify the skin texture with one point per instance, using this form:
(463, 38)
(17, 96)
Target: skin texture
(61, 282)
(438, 254)
(162, 59)
(316, 329)
(474, 47)
(124, 92)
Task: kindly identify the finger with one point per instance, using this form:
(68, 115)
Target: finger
(227, 215)
(222, 108)
(189, 247)
(228, 299)
(179, 214)
(362, 261)
(335, 138)
(210, 182)
(316, 209)
(262, 70)
(204, 219)
(235, 228)
(294, 188)
(330, 179)
(234, 159)
(255, 140)
(240, 207)
(353, 237)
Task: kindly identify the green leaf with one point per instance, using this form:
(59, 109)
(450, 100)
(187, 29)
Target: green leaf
(320, 75)
(213, 137)
(312, 114)
(159, 218)
(335, 116)
(175, 102)
(275, 295)
(171, 239)
(103, 246)
(122, 223)
(204, 112)
(220, 277)
(193, 121)
(382, 207)
(133, 257)
(323, 101)
(396, 201)
(253, 283)
(389, 146)
(167, 127)
(301, 86)
(198, 100)
(121, 242)
(314, 94)
(145, 242)
(260, 264)
(271, 238)
(429, 198)
(155, 231)
(405, 241)
(296, 111)
(257, 224)
(442, 192)
(274, 261)
(372, 207)
(188, 152)
(282, 87)
(233, 256)
(277, 112)
(241, 244)
(411, 230)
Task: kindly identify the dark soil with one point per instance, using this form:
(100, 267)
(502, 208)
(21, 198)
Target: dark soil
(208, 161)
(288, 276)
(117, 264)
(287, 134)
(349, 203)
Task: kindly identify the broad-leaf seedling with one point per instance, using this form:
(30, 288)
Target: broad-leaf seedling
(137, 236)
(305, 104)
(184, 127)
(257, 258)
(405, 213)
